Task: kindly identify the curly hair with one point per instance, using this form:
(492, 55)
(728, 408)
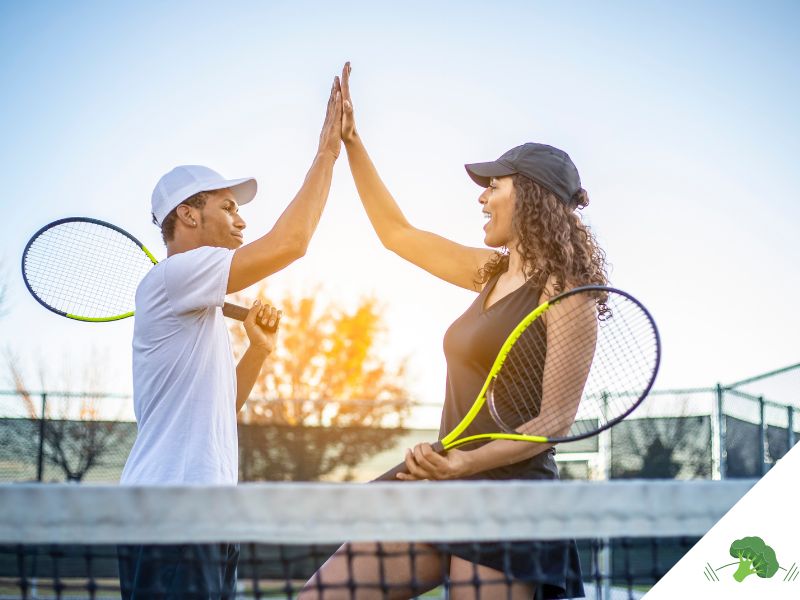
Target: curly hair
(552, 241)
(197, 201)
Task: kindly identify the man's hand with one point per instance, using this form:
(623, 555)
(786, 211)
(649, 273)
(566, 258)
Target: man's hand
(425, 463)
(348, 120)
(258, 319)
(262, 343)
(330, 140)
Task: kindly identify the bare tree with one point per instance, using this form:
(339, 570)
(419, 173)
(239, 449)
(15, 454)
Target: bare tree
(76, 433)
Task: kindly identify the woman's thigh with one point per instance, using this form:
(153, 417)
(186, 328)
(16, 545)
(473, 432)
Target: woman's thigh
(370, 571)
(469, 581)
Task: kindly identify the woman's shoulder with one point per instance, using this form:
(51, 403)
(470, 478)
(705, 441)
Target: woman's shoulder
(553, 287)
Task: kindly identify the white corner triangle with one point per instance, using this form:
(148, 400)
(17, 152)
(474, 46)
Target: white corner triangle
(768, 511)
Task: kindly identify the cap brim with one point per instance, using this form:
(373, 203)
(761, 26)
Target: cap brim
(244, 190)
(481, 173)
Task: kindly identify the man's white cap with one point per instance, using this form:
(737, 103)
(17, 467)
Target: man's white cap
(186, 181)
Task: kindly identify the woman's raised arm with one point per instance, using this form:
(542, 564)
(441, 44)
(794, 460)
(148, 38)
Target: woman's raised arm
(441, 257)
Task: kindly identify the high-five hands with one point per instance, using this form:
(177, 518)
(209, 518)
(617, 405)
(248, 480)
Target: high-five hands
(330, 140)
(348, 121)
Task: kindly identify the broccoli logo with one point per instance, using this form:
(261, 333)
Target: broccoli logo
(755, 558)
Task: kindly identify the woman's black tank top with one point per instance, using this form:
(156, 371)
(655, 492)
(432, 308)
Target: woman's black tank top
(471, 346)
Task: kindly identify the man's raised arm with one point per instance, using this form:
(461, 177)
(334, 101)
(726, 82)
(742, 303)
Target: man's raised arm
(289, 238)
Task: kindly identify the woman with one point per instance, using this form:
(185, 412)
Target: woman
(531, 194)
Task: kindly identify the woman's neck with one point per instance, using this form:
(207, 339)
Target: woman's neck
(515, 265)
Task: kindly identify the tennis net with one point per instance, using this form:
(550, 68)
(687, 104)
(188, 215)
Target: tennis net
(67, 541)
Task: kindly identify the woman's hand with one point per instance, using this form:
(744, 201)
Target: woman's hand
(425, 463)
(349, 132)
(259, 317)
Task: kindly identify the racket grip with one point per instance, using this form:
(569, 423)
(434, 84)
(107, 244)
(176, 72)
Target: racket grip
(240, 314)
(234, 312)
(391, 474)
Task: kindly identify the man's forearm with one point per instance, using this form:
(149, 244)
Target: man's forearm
(301, 217)
(288, 240)
(247, 372)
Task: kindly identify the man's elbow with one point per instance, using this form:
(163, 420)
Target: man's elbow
(295, 247)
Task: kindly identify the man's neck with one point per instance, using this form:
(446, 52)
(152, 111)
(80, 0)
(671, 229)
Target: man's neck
(178, 246)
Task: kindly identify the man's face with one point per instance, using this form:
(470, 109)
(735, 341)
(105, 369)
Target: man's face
(220, 223)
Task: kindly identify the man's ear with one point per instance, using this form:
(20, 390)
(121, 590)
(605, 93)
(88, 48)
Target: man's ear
(186, 215)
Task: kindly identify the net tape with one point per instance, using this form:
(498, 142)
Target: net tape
(330, 513)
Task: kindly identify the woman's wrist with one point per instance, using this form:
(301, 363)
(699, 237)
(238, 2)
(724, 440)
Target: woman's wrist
(351, 139)
(464, 463)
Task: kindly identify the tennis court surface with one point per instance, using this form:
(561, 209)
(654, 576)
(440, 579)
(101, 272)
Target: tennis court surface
(60, 541)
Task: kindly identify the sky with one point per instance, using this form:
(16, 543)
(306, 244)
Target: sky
(680, 116)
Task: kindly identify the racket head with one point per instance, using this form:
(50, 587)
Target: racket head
(604, 351)
(85, 269)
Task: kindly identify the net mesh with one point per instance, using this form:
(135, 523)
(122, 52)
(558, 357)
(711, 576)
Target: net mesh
(85, 269)
(400, 541)
(599, 347)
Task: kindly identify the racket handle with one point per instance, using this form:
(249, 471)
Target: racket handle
(240, 314)
(391, 474)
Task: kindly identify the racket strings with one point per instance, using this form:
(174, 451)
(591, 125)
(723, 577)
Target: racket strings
(85, 269)
(584, 371)
(70, 266)
(104, 289)
(517, 390)
(623, 366)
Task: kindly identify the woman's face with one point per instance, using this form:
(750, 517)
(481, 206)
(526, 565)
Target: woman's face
(498, 208)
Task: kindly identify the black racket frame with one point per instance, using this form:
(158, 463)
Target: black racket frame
(232, 311)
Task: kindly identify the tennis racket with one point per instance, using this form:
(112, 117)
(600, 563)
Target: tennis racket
(577, 365)
(89, 270)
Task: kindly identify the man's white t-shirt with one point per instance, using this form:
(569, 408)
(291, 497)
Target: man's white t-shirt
(184, 377)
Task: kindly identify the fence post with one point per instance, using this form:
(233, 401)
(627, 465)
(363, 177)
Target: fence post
(605, 543)
(722, 433)
(763, 436)
(40, 457)
(791, 426)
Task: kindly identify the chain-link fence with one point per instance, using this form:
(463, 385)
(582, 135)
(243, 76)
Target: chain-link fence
(64, 436)
(726, 431)
(77, 437)
(758, 422)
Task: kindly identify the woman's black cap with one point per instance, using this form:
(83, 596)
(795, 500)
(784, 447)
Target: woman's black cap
(547, 166)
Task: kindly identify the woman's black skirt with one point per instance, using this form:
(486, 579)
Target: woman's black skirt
(553, 566)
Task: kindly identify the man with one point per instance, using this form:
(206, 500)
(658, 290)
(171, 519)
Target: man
(186, 389)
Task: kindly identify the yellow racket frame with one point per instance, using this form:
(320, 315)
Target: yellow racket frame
(449, 441)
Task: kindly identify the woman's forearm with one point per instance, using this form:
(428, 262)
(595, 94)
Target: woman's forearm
(385, 215)
(439, 256)
(500, 453)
